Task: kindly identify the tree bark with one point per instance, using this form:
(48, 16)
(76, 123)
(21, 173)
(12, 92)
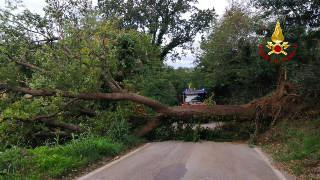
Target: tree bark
(240, 111)
(155, 122)
(155, 105)
(64, 125)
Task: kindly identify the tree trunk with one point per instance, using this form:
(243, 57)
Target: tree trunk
(63, 125)
(154, 123)
(241, 111)
(179, 111)
(155, 105)
(280, 99)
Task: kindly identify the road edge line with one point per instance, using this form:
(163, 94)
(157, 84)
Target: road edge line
(110, 164)
(277, 172)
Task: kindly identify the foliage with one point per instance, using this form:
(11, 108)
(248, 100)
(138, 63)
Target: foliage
(162, 19)
(119, 129)
(54, 161)
(217, 134)
(178, 131)
(296, 144)
(300, 24)
(76, 49)
(72, 58)
(19, 134)
(194, 132)
(163, 84)
(306, 11)
(230, 62)
(180, 79)
(210, 101)
(156, 83)
(227, 128)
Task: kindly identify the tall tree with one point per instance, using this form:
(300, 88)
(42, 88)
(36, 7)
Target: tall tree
(230, 61)
(166, 20)
(300, 23)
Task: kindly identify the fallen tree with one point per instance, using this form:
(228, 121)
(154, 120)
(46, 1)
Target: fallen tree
(180, 112)
(281, 103)
(43, 78)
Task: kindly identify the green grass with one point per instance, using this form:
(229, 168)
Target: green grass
(47, 162)
(298, 146)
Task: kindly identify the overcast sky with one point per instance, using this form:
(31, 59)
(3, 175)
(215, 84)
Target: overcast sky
(219, 6)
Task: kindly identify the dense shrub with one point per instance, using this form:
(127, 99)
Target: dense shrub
(55, 160)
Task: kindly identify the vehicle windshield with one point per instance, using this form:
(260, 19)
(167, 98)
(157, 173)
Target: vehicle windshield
(195, 98)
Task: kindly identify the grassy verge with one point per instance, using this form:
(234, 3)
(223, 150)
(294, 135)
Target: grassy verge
(49, 162)
(296, 144)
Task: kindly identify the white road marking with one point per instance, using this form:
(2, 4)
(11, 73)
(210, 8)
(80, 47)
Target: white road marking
(277, 172)
(110, 164)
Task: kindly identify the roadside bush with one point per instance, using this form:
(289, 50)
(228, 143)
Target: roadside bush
(51, 161)
(119, 129)
(296, 144)
(13, 163)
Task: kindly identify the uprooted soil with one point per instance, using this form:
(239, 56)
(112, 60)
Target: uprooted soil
(281, 103)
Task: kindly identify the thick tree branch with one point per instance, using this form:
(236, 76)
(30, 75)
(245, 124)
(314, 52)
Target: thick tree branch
(24, 64)
(29, 65)
(64, 125)
(155, 105)
(46, 40)
(155, 122)
(55, 113)
(54, 123)
(244, 111)
(112, 86)
(112, 80)
(85, 110)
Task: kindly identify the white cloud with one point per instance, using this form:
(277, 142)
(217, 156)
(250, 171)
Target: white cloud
(219, 6)
(33, 6)
(184, 62)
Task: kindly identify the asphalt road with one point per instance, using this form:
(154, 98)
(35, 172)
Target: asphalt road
(174, 160)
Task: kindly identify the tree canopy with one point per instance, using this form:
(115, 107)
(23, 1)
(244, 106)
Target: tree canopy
(231, 60)
(166, 20)
(300, 22)
(45, 70)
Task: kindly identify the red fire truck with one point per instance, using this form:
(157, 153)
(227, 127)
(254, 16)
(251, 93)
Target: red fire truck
(194, 97)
